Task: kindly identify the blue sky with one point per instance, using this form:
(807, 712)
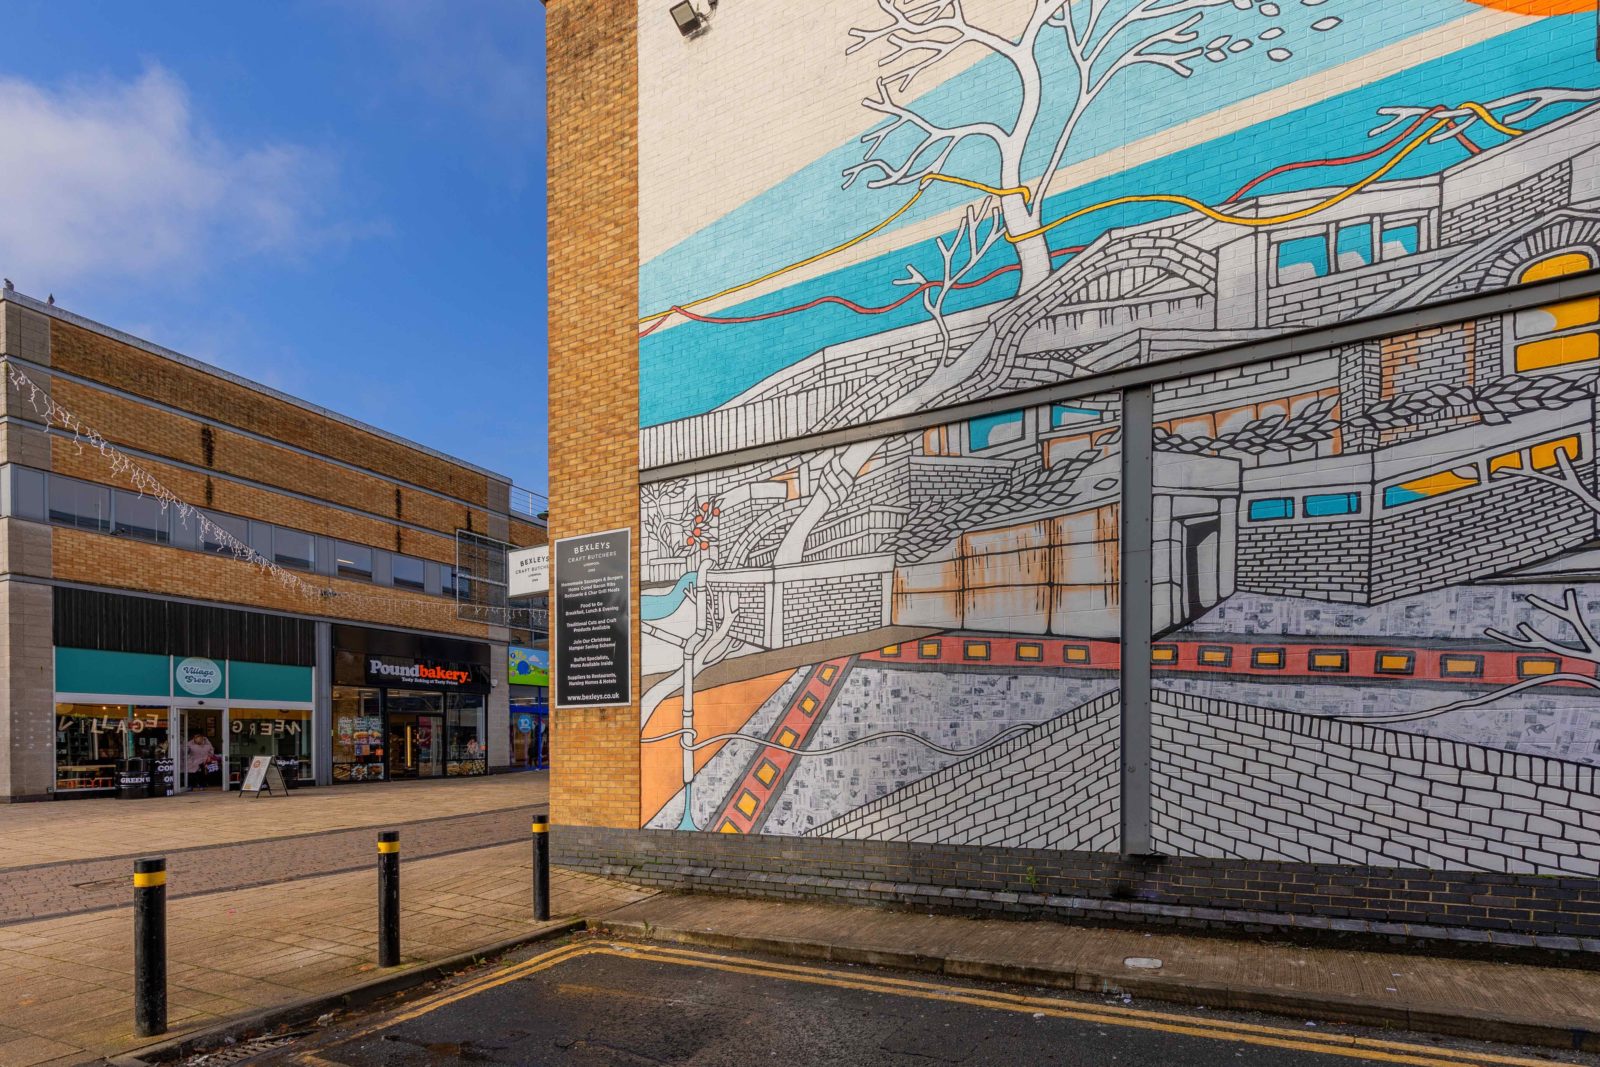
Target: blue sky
(343, 199)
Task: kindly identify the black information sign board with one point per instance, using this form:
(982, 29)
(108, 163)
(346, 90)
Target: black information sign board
(593, 615)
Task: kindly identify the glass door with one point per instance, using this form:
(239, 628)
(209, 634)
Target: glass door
(200, 749)
(416, 734)
(416, 745)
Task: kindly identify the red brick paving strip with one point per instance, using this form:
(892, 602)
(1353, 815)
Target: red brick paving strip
(75, 887)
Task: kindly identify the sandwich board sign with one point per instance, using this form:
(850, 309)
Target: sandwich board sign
(263, 776)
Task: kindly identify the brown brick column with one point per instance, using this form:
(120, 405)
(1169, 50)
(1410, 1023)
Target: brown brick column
(592, 69)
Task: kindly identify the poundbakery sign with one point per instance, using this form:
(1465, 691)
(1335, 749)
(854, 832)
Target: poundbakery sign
(399, 673)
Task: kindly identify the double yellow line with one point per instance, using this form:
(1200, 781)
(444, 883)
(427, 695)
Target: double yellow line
(1359, 1048)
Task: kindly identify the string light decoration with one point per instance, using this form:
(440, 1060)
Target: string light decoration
(148, 485)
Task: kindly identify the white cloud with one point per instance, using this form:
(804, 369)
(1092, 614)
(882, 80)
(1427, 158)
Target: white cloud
(120, 179)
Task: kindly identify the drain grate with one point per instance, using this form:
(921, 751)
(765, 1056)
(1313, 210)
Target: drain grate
(242, 1051)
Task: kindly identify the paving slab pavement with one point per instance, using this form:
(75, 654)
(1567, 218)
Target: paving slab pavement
(78, 886)
(1511, 1002)
(82, 829)
(66, 983)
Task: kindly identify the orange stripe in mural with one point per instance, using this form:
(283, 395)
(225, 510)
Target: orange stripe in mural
(722, 710)
(1539, 7)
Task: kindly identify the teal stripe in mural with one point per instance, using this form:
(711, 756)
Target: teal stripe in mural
(692, 368)
(768, 229)
(134, 674)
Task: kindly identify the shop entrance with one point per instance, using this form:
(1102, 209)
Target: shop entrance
(416, 743)
(199, 749)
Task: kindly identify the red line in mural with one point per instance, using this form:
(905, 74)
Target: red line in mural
(867, 309)
(1339, 162)
(769, 767)
(860, 309)
(1301, 659)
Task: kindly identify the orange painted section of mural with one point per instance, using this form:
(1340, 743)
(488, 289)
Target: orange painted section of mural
(724, 709)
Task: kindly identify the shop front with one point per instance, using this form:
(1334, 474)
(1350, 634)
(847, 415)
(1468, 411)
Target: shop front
(528, 672)
(126, 721)
(407, 706)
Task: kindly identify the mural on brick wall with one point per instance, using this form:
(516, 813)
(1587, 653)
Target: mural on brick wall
(1371, 562)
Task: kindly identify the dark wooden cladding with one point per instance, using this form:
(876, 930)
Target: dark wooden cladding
(108, 622)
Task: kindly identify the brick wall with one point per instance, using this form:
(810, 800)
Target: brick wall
(80, 351)
(1324, 560)
(816, 609)
(1504, 208)
(1432, 544)
(1313, 900)
(1261, 784)
(137, 566)
(594, 366)
(1053, 787)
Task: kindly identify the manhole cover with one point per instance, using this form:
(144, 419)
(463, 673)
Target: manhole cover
(1142, 963)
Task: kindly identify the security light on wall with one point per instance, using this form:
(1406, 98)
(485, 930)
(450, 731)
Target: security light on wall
(691, 20)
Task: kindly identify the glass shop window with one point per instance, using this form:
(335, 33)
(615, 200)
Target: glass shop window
(283, 735)
(466, 751)
(357, 735)
(91, 738)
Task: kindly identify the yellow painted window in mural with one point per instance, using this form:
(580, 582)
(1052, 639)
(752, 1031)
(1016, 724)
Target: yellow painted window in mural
(1429, 485)
(1557, 335)
(1544, 456)
(1541, 457)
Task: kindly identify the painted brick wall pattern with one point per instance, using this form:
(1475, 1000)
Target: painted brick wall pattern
(1054, 787)
(1274, 785)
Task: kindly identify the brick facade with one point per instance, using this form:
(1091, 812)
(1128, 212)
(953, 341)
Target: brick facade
(229, 448)
(1403, 490)
(594, 365)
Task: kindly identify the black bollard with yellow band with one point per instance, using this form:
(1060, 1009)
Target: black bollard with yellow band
(541, 867)
(389, 898)
(149, 947)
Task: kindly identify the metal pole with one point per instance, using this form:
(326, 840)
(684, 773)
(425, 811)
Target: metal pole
(1138, 623)
(150, 947)
(541, 867)
(389, 898)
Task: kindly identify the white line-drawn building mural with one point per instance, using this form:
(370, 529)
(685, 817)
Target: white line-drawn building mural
(1377, 567)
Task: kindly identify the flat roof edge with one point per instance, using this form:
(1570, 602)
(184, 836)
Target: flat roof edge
(74, 319)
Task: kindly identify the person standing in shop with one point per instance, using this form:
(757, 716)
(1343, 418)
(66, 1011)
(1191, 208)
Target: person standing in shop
(198, 759)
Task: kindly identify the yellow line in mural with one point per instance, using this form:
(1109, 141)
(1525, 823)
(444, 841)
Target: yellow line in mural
(1020, 190)
(1273, 220)
(1163, 198)
(1494, 123)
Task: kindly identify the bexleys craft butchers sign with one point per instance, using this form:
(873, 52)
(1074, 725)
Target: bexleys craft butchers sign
(440, 675)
